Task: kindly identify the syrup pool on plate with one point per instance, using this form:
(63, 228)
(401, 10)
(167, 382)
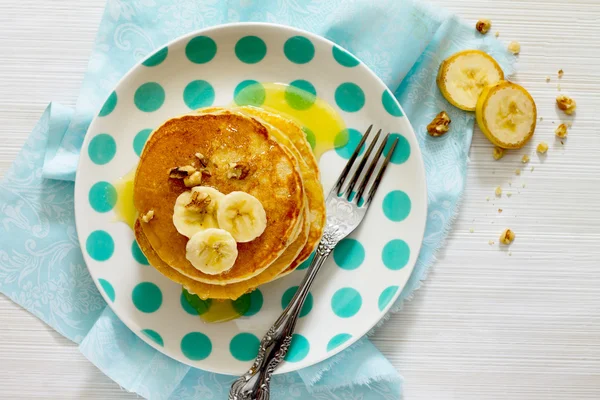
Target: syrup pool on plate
(324, 129)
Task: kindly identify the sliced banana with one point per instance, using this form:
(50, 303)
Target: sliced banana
(196, 210)
(242, 215)
(212, 251)
(506, 114)
(462, 77)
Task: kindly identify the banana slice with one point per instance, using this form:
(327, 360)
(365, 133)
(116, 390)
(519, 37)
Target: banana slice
(212, 251)
(462, 77)
(242, 215)
(196, 210)
(506, 114)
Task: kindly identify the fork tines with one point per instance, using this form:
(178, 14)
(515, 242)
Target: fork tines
(357, 196)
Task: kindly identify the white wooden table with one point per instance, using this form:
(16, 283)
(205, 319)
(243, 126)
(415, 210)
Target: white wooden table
(489, 323)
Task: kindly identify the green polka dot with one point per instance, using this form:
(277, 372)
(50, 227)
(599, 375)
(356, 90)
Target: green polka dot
(109, 105)
(402, 152)
(386, 296)
(196, 346)
(344, 58)
(338, 340)
(102, 197)
(154, 336)
(100, 245)
(287, 297)
(299, 348)
(108, 289)
(299, 50)
(345, 143)
(249, 304)
(250, 49)
(396, 205)
(198, 94)
(156, 58)
(346, 302)
(102, 149)
(349, 97)
(307, 262)
(249, 93)
(149, 97)
(300, 94)
(201, 49)
(349, 254)
(146, 297)
(138, 255)
(193, 304)
(310, 137)
(390, 104)
(244, 346)
(139, 141)
(395, 254)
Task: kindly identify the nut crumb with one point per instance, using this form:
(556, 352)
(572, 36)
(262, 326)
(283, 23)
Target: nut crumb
(561, 131)
(507, 236)
(542, 148)
(491, 242)
(500, 210)
(498, 191)
(148, 216)
(199, 201)
(202, 158)
(560, 73)
(238, 171)
(559, 88)
(518, 171)
(541, 119)
(487, 198)
(567, 104)
(498, 153)
(547, 78)
(439, 125)
(497, 33)
(194, 179)
(483, 26)
(514, 47)
(525, 159)
(181, 172)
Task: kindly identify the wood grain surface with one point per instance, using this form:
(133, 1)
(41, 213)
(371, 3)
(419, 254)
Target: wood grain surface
(489, 323)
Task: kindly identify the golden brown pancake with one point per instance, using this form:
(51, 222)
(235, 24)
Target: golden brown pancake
(274, 180)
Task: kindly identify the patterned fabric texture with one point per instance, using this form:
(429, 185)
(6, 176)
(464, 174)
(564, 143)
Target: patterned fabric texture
(41, 266)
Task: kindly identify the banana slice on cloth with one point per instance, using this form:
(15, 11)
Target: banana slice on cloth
(506, 114)
(196, 210)
(462, 77)
(242, 215)
(212, 251)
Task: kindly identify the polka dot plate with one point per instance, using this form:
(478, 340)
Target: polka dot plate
(366, 272)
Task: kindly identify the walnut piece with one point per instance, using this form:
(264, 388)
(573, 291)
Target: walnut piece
(542, 148)
(181, 172)
(148, 216)
(199, 201)
(202, 158)
(514, 47)
(238, 171)
(483, 26)
(194, 179)
(560, 73)
(547, 78)
(561, 131)
(566, 104)
(439, 125)
(498, 191)
(525, 159)
(498, 153)
(507, 236)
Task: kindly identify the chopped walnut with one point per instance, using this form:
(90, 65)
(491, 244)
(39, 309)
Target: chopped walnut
(498, 191)
(498, 153)
(439, 125)
(566, 104)
(194, 179)
(542, 148)
(499, 210)
(483, 26)
(514, 47)
(203, 160)
(238, 170)
(560, 73)
(148, 216)
(181, 172)
(507, 236)
(525, 159)
(198, 201)
(561, 131)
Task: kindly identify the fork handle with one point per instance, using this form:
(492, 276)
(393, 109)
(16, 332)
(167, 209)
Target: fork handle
(254, 385)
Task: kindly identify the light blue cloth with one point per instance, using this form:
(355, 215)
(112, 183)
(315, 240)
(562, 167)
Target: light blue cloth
(41, 266)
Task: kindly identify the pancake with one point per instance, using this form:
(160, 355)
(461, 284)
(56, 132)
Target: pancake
(274, 180)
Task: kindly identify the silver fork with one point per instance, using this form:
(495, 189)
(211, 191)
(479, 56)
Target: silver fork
(345, 211)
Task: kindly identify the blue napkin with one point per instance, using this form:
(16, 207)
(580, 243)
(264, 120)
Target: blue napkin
(41, 266)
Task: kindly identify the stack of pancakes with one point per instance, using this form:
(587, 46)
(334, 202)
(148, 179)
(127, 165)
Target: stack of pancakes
(282, 174)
